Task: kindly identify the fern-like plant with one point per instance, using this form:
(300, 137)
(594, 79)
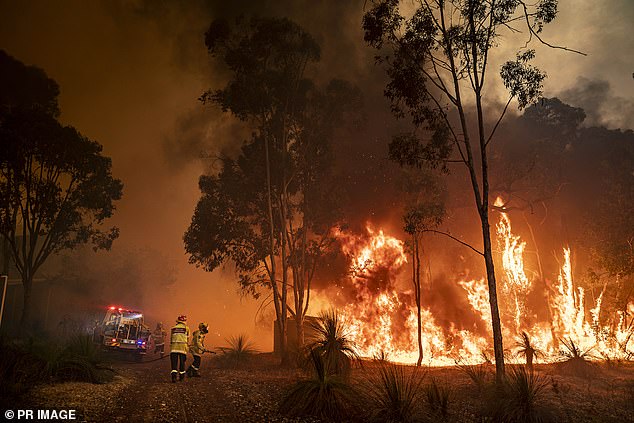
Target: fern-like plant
(522, 399)
(394, 394)
(324, 395)
(527, 349)
(438, 398)
(239, 351)
(332, 343)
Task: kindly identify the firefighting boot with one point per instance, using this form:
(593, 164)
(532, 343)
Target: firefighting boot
(181, 376)
(173, 377)
(195, 373)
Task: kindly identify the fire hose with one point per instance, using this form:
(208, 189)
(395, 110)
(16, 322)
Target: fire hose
(162, 357)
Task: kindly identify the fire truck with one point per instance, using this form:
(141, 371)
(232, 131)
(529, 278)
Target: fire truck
(123, 330)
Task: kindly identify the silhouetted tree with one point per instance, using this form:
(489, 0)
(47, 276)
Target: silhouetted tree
(270, 210)
(437, 61)
(424, 211)
(56, 187)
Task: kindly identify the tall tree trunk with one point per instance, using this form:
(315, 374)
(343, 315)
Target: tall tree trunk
(498, 346)
(418, 299)
(285, 357)
(302, 290)
(27, 284)
(280, 308)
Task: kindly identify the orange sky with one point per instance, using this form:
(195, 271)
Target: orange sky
(130, 74)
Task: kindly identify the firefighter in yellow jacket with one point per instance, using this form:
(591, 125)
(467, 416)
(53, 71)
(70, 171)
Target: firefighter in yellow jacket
(178, 347)
(197, 349)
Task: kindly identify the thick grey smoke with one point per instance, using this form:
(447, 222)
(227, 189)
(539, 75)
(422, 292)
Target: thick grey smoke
(131, 73)
(602, 105)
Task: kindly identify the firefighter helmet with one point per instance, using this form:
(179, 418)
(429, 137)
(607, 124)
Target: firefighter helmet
(182, 318)
(204, 327)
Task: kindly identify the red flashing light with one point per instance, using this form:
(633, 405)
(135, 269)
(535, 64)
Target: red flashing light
(112, 308)
(114, 339)
(120, 309)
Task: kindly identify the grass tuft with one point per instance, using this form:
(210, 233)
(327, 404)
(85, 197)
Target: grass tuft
(438, 398)
(521, 398)
(478, 373)
(332, 343)
(325, 395)
(576, 361)
(393, 394)
(239, 351)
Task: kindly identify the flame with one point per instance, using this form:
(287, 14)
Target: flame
(382, 317)
(516, 283)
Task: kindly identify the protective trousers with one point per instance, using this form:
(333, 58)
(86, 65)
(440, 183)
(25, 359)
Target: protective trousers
(194, 368)
(178, 365)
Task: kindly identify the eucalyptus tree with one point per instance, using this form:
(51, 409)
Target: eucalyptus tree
(437, 58)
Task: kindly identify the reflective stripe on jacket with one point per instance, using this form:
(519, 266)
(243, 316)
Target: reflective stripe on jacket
(198, 343)
(179, 338)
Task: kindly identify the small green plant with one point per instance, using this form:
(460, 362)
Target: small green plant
(239, 351)
(332, 342)
(325, 395)
(23, 365)
(438, 398)
(394, 394)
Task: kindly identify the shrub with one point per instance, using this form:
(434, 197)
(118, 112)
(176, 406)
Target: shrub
(478, 373)
(526, 349)
(23, 365)
(80, 361)
(394, 394)
(521, 398)
(576, 360)
(332, 343)
(239, 351)
(83, 346)
(438, 398)
(574, 351)
(325, 395)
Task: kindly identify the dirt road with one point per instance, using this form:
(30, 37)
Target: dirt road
(143, 392)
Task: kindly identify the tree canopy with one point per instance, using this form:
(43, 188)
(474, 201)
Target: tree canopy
(56, 186)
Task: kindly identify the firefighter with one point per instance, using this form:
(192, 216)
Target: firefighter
(198, 349)
(159, 339)
(178, 347)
